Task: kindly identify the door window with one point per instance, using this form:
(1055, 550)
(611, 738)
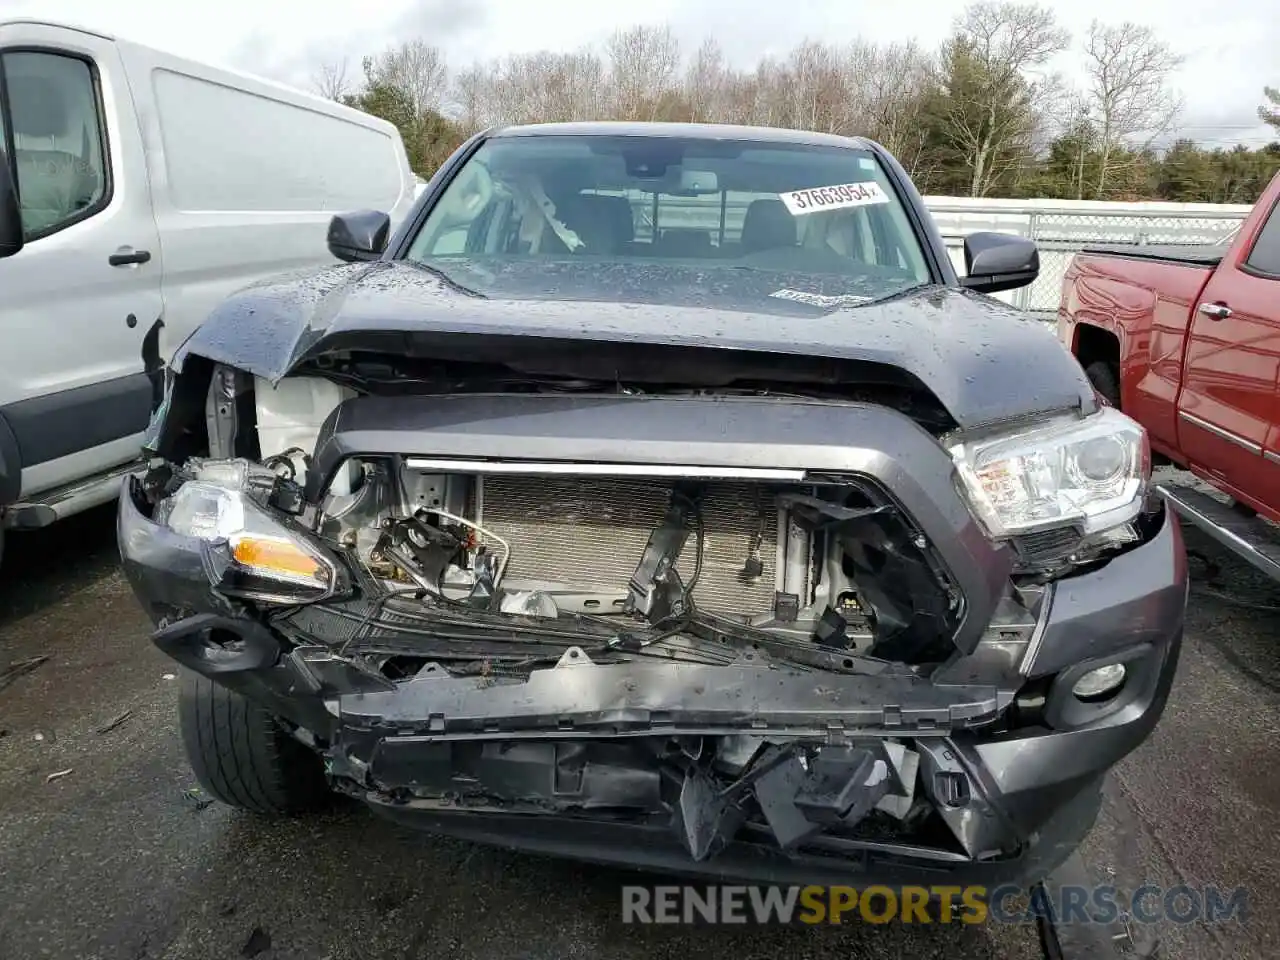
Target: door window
(53, 116)
(1264, 258)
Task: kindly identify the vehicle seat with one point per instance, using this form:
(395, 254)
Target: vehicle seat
(616, 212)
(767, 226)
(52, 184)
(604, 223)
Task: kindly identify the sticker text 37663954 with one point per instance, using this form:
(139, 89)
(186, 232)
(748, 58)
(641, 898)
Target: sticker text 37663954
(816, 199)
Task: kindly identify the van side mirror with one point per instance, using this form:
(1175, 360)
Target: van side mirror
(11, 238)
(359, 236)
(998, 261)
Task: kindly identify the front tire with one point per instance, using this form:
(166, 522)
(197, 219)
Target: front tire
(241, 755)
(1103, 375)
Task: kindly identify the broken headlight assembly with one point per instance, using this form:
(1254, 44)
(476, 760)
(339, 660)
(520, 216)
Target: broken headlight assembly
(247, 551)
(1089, 473)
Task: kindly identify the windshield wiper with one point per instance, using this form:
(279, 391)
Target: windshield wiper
(914, 288)
(445, 278)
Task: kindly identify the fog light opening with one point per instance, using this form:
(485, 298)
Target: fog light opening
(1100, 684)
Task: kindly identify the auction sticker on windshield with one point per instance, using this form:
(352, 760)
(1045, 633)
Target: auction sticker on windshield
(820, 299)
(816, 199)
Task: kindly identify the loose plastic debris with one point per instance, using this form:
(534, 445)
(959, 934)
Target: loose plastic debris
(198, 800)
(19, 668)
(111, 725)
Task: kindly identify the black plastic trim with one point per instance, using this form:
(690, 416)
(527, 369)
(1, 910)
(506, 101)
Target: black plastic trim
(654, 847)
(10, 464)
(197, 643)
(59, 424)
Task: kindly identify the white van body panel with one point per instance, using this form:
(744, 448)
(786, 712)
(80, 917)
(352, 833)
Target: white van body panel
(230, 212)
(200, 181)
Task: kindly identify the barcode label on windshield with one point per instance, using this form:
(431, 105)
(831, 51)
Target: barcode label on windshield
(820, 299)
(817, 199)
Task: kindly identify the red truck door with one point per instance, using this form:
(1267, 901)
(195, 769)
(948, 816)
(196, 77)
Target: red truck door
(1227, 408)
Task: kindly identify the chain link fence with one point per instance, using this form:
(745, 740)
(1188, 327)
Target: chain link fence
(1061, 234)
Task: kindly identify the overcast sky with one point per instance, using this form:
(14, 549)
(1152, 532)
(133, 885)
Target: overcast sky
(1230, 45)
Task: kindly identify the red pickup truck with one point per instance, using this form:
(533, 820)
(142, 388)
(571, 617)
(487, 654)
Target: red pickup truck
(1186, 340)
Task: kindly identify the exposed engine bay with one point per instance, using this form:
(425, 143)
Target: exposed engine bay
(474, 565)
(673, 567)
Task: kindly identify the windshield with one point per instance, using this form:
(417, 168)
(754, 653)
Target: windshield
(823, 220)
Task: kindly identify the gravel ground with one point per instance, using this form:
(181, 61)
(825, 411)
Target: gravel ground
(111, 860)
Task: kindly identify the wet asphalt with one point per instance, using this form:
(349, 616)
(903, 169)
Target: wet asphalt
(114, 860)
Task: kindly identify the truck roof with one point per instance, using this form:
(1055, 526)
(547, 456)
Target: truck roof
(696, 131)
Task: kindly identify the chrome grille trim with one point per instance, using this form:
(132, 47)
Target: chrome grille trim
(563, 468)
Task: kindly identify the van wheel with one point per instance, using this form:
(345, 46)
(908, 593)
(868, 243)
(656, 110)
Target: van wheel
(241, 754)
(1102, 374)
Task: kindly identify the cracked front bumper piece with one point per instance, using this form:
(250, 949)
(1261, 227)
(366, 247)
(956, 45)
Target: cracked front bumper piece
(743, 770)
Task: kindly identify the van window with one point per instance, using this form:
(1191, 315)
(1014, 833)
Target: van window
(55, 116)
(228, 149)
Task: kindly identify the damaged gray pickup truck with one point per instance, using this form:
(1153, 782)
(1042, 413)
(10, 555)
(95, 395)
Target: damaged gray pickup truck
(659, 496)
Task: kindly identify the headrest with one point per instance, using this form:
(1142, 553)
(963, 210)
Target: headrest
(768, 224)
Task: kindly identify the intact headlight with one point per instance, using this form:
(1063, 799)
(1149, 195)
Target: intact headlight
(1092, 473)
(247, 552)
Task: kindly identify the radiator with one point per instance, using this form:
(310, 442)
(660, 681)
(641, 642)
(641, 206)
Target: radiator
(590, 532)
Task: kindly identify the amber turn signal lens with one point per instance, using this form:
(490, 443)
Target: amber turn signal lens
(277, 557)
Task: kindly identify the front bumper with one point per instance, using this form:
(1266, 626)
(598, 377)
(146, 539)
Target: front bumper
(603, 762)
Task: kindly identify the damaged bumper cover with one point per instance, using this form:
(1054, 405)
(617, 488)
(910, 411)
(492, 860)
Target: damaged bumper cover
(743, 770)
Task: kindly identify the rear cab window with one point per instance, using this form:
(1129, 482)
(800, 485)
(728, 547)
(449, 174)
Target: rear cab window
(53, 138)
(819, 219)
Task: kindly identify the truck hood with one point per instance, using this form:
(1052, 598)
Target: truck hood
(984, 361)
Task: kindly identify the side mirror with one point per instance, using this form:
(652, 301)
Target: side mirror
(11, 238)
(359, 236)
(997, 261)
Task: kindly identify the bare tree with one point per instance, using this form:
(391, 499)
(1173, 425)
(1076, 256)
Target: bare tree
(533, 87)
(1130, 99)
(706, 82)
(472, 97)
(887, 97)
(643, 62)
(993, 75)
(1080, 138)
(817, 86)
(561, 86)
(417, 68)
(331, 80)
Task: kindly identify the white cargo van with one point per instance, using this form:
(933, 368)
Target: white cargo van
(137, 189)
